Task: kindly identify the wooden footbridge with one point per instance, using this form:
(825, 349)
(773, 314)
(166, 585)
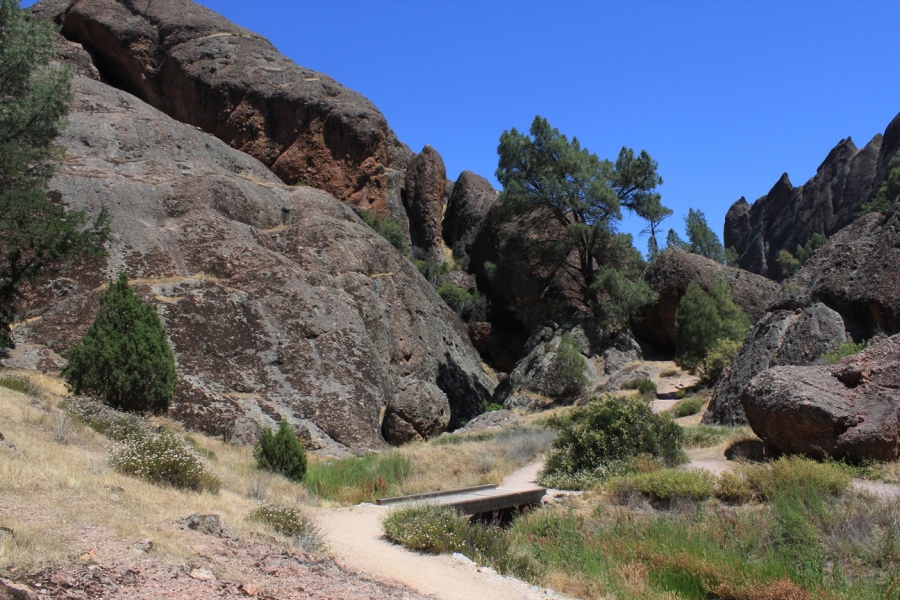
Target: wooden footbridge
(477, 500)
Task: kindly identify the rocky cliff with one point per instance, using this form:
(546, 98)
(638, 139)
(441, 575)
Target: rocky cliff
(279, 301)
(828, 202)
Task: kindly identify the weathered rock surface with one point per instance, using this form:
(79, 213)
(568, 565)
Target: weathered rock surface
(426, 180)
(201, 69)
(470, 202)
(669, 275)
(828, 202)
(279, 301)
(419, 410)
(784, 337)
(856, 274)
(849, 410)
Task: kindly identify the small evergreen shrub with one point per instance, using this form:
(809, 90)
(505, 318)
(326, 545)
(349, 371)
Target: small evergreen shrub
(644, 385)
(703, 318)
(844, 350)
(688, 406)
(883, 201)
(290, 522)
(164, 459)
(387, 229)
(124, 358)
(610, 430)
(720, 356)
(569, 368)
(470, 306)
(281, 452)
(493, 407)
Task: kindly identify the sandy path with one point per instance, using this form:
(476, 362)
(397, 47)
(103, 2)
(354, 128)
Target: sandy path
(354, 536)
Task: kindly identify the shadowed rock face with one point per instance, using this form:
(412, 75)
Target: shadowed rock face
(828, 202)
(426, 182)
(669, 275)
(856, 274)
(847, 410)
(783, 337)
(470, 203)
(279, 302)
(201, 69)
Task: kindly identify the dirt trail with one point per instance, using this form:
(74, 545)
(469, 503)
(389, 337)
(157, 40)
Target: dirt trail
(354, 536)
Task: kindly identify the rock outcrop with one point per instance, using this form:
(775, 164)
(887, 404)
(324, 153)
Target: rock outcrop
(849, 410)
(856, 274)
(669, 275)
(203, 70)
(783, 337)
(470, 202)
(280, 303)
(426, 181)
(828, 202)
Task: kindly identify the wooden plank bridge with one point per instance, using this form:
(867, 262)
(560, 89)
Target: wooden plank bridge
(476, 500)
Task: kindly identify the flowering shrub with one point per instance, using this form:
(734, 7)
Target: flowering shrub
(164, 459)
(107, 421)
(288, 521)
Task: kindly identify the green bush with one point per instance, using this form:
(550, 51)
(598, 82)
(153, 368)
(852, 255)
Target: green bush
(281, 452)
(387, 229)
(703, 318)
(469, 306)
(290, 522)
(644, 385)
(610, 430)
(569, 368)
(688, 406)
(828, 478)
(124, 358)
(720, 356)
(844, 350)
(733, 488)
(888, 192)
(665, 485)
(164, 459)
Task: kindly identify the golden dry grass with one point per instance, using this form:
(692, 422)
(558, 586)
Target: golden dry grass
(53, 494)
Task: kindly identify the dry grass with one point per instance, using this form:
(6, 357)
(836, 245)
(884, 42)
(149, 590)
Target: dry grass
(54, 494)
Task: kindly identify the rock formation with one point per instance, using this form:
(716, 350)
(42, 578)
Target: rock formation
(669, 275)
(848, 410)
(828, 202)
(856, 274)
(783, 337)
(426, 180)
(470, 202)
(203, 70)
(280, 303)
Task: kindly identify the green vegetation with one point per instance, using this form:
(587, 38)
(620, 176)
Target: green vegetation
(731, 256)
(432, 270)
(706, 436)
(704, 318)
(596, 441)
(20, 383)
(844, 350)
(805, 538)
(470, 306)
(565, 202)
(790, 264)
(164, 459)
(719, 356)
(290, 522)
(701, 239)
(644, 385)
(281, 452)
(358, 479)
(124, 358)
(883, 201)
(388, 229)
(35, 233)
(689, 406)
(569, 368)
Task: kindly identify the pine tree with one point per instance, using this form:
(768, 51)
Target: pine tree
(124, 358)
(281, 452)
(34, 96)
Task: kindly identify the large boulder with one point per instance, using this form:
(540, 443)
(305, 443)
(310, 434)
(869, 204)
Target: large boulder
(426, 180)
(280, 303)
(470, 202)
(669, 274)
(201, 69)
(828, 202)
(849, 410)
(856, 274)
(783, 337)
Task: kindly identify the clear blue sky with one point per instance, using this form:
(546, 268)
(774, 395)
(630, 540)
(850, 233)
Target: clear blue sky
(725, 95)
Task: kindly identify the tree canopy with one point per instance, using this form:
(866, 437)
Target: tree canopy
(567, 203)
(701, 239)
(34, 96)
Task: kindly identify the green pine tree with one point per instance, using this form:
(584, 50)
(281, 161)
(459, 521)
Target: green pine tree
(703, 318)
(281, 452)
(124, 358)
(34, 95)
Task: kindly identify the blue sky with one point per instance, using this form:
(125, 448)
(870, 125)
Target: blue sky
(726, 95)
